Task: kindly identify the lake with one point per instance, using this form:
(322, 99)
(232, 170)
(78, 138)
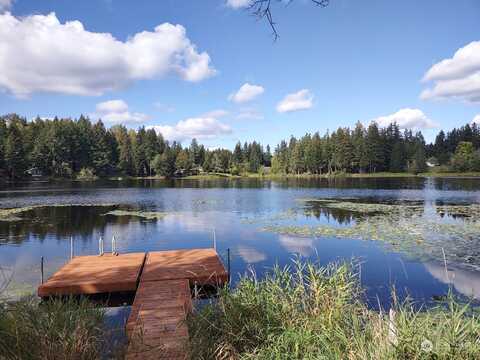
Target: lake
(397, 232)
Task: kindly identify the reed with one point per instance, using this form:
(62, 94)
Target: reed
(310, 312)
(68, 329)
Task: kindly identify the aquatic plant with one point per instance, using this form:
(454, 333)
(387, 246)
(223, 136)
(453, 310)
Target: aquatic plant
(148, 215)
(402, 226)
(312, 312)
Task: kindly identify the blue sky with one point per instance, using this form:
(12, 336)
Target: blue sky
(354, 60)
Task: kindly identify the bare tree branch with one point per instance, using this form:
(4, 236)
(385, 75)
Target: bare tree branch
(262, 10)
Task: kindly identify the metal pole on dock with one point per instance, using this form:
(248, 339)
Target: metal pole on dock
(214, 239)
(113, 245)
(41, 269)
(100, 246)
(71, 247)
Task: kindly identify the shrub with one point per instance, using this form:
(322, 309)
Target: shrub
(87, 174)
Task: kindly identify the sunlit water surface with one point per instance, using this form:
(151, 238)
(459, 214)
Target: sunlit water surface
(235, 213)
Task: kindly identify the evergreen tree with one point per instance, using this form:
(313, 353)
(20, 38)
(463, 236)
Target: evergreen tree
(375, 158)
(398, 158)
(3, 138)
(360, 155)
(237, 157)
(140, 153)
(208, 164)
(15, 157)
(164, 164)
(102, 150)
(419, 162)
(124, 149)
(194, 152)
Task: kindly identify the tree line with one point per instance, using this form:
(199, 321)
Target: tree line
(70, 148)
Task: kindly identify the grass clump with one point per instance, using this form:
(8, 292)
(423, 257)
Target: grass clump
(311, 312)
(54, 329)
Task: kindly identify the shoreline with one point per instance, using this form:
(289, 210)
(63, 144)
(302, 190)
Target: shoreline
(380, 175)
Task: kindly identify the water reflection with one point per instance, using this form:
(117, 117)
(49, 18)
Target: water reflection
(196, 209)
(302, 246)
(464, 281)
(81, 222)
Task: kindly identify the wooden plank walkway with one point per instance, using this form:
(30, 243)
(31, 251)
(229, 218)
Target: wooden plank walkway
(156, 326)
(162, 280)
(94, 275)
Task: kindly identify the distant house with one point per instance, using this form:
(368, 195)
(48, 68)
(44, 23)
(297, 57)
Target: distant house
(34, 172)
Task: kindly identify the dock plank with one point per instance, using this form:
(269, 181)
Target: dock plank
(156, 327)
(202, 266)
(95, 274)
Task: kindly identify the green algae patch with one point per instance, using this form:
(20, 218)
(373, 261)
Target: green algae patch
(148, 215)
(14, 214)
(418, 230)
(364, 207)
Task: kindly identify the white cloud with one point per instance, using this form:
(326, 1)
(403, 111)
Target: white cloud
(476, 120)
(238, 4)
(249, 114)
(117, 112)
(247, 92)
(40, 54)
(203, 127)
(457, 77)
(407, 119)
(301, 100)
(5, 5)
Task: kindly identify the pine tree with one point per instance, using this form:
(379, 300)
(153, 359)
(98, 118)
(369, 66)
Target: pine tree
(194, 152)
(124, 150)
(237, 157)
(102, 150)
(375, 158)
(360, 156)
(3, 138)
(140, 155)
(165, 164)
(15, 157)
(398, 158)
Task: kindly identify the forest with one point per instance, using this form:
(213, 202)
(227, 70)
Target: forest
(80, 148)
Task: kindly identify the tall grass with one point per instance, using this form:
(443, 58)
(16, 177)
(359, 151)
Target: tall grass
(68, 329)
(311, 312)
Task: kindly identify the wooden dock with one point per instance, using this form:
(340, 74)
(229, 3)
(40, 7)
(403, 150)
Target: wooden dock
(162, 283)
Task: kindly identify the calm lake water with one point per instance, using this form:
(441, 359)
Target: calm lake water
(241, 214)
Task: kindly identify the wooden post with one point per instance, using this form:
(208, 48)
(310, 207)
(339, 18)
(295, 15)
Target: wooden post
(41, 269)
